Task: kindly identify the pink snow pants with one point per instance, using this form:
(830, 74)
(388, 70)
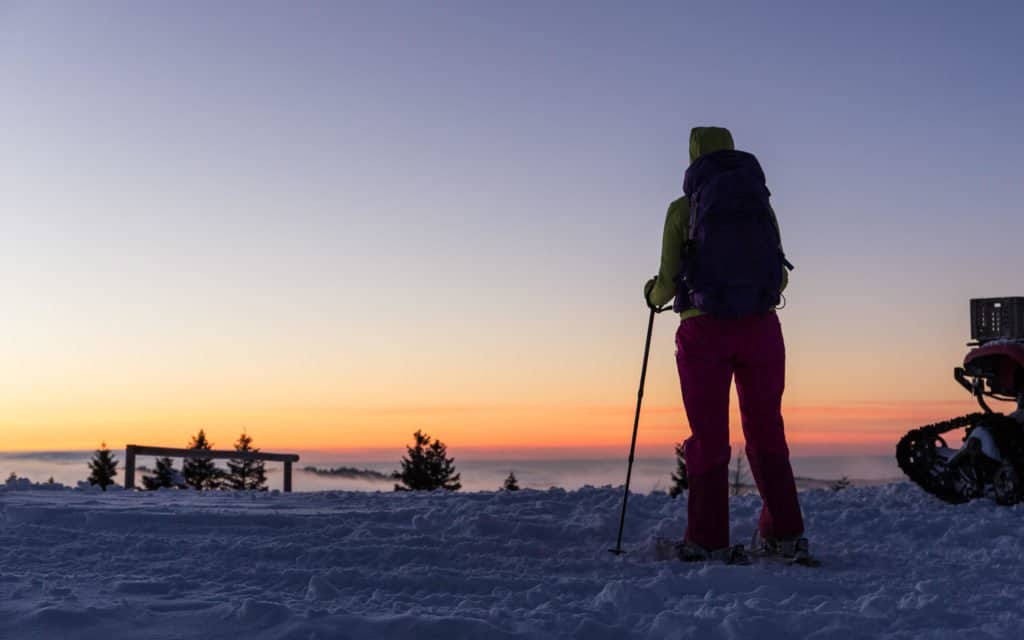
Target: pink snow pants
(709, 352)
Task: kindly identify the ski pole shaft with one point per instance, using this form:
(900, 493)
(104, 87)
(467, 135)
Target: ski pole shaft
(636, 423)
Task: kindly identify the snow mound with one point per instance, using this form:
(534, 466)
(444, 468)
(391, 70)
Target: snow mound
(527, 564)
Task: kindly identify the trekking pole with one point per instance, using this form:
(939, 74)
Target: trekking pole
(636, 423)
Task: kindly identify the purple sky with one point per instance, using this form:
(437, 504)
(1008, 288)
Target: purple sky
(363, 198)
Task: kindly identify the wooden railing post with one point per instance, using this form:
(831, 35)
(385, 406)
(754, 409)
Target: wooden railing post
(129, 467)
(287, 476)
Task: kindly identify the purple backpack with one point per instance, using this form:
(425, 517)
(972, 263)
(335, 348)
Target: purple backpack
(733, 260)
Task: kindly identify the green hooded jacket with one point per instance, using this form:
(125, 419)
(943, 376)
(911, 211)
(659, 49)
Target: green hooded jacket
(677, 223)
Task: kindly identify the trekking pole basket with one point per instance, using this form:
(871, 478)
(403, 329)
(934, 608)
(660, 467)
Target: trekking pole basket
(997, 319)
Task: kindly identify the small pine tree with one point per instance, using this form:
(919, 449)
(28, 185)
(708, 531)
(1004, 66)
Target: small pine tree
(165, 476)
(841, 483)
(427, 467)
(511, 484)
(246, 474)
(738, 476)
(201, 473)
(102, 467)
(679, 482)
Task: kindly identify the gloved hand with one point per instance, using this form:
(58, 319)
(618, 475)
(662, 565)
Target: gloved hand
(647, 291)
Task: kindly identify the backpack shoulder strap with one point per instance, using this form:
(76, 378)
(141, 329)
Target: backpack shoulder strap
(778, 232)
(691, 202)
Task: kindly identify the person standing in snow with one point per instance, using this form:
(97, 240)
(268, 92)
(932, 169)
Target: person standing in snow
(722, 261)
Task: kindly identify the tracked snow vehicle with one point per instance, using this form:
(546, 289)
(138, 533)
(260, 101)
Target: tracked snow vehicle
(990, 461)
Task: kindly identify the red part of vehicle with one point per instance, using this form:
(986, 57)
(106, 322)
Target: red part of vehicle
(1001, 364)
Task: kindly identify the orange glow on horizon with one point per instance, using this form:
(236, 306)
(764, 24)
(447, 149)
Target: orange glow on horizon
(485, 429)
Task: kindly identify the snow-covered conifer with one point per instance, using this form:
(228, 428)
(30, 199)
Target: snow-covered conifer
(201, 473)
(427, 467)
(511, 484)
(165, 476)
(246, 474)
(738, 476)
(841, 483)
(679, 483)
(102, 467)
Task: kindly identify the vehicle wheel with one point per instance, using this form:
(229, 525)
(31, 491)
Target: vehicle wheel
(1006, 483)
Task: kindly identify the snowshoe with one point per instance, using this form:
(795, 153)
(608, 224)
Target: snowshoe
(795, 550)
(991, 458)
(687, 551)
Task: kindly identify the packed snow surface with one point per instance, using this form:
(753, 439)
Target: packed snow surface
(527, 564)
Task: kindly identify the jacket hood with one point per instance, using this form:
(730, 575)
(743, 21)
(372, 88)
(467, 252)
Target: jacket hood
(705, 140)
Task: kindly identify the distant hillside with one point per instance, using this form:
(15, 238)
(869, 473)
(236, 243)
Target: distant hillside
(818, 483)
(349, 472)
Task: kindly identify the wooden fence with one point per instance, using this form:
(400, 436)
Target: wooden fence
(133, 450)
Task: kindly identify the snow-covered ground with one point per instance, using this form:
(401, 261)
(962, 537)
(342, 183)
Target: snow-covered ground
(530, 564)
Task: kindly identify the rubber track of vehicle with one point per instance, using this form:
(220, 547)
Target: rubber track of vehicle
(931, 482)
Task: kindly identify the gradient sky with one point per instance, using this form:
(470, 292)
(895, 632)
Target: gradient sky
(336, 223)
